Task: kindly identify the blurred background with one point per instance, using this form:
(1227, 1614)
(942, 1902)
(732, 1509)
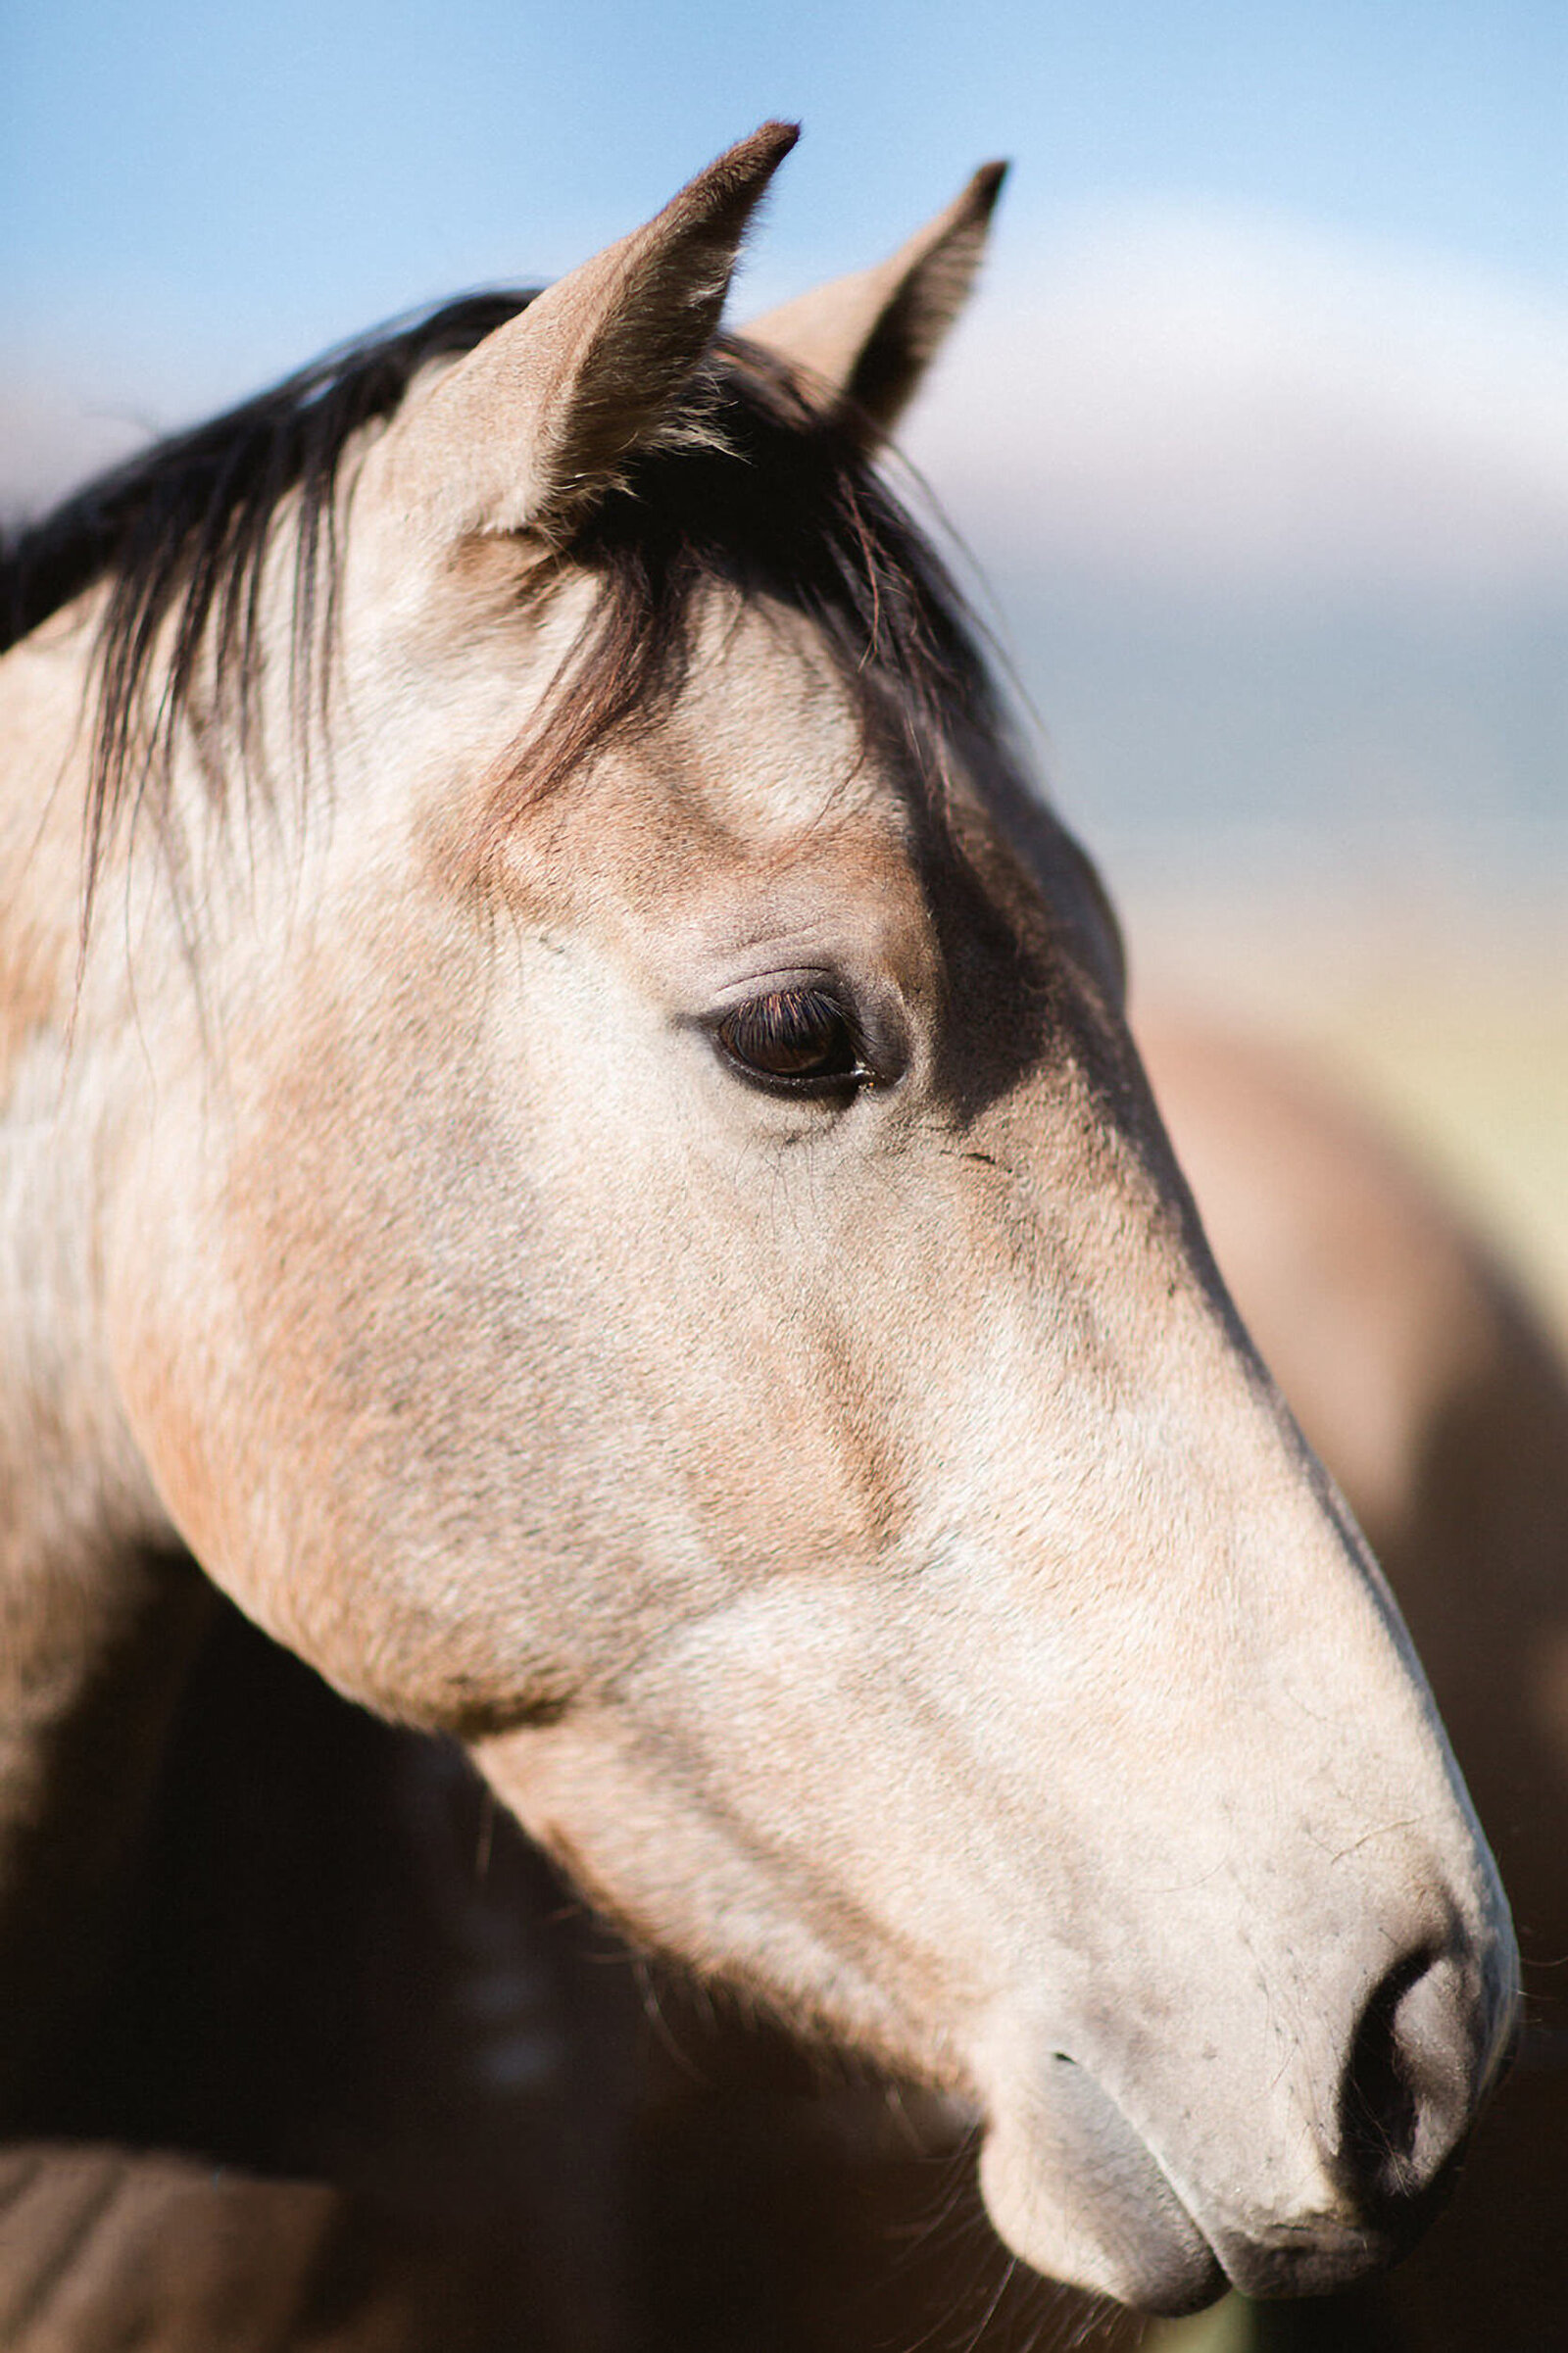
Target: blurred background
(1256, 435)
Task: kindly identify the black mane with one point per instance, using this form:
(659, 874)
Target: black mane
(768, 499)
(197, 504)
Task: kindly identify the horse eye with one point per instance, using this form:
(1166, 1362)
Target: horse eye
(799, 1039)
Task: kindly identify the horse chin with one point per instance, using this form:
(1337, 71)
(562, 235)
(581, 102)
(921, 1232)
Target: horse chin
(1073, 2189)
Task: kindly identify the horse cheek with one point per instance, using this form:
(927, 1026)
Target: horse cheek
(178, 1451)
(201, 1429)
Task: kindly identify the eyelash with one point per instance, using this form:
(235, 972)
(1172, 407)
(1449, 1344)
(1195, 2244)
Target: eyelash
(805, 1026)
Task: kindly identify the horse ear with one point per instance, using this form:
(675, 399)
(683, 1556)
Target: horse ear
(525, 431)
(868, 339)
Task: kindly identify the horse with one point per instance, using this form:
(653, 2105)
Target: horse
(1438, 1397)
(597, 1182)
(337, 1951)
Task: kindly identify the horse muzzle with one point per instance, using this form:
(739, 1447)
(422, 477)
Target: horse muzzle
(1075, 2190)
(1290, 2197)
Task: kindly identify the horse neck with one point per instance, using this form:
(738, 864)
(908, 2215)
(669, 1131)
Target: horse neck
(67, 1053)
(87, 1643)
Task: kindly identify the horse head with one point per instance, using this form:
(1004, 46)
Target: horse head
(634, 1232)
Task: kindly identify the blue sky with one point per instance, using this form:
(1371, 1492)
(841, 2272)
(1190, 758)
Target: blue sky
(1258, 424)
(271, 177)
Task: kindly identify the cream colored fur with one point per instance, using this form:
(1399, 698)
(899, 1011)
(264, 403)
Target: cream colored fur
(854, 1532)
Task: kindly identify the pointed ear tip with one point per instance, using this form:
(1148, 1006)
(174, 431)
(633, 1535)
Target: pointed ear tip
(986, 185)
(723, 195)
(740, 174)
(766, 149)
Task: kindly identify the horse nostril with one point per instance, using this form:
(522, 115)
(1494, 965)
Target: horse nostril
(1377, 2112)
(1407, 2097)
